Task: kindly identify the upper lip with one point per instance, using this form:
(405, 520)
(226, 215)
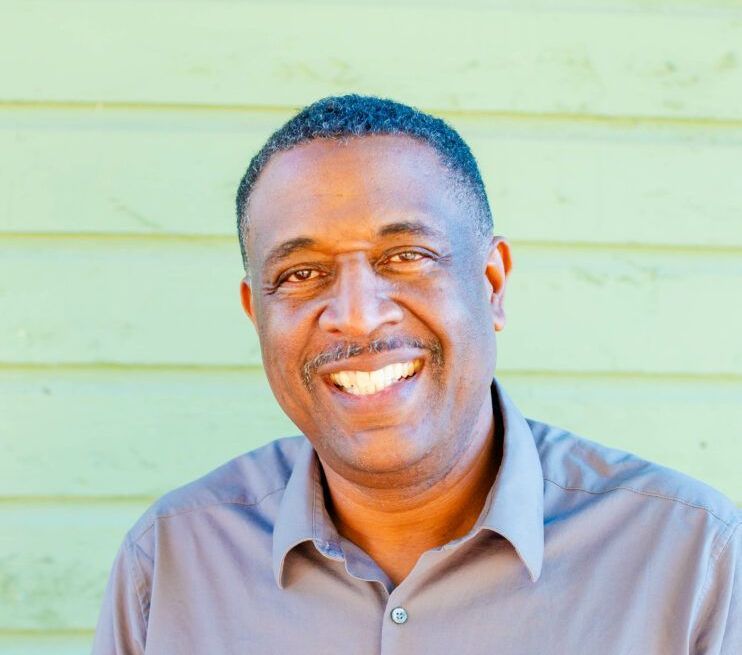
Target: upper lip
(371, 362)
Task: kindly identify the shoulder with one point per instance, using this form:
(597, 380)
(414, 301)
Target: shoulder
(576, 464)
(245, 480)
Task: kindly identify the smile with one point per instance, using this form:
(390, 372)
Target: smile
(364, 383)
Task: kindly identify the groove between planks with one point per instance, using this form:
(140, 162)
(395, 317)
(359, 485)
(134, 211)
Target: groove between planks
(526, 117)
(223, 239)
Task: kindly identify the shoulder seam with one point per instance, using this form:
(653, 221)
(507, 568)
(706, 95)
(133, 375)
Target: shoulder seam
(131, 565)
(643, 493)
(716, 554)
(190, 510)
(723, 544)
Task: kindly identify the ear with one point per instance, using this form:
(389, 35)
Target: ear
(497, 269)
(247, 299)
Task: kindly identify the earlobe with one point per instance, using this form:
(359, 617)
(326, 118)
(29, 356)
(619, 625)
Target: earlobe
(498, 265)
(247, 299)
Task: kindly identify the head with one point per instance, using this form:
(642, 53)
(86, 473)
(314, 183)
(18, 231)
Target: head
(367, 242)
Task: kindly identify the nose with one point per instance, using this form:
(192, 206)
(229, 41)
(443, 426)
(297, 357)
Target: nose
(359, 303)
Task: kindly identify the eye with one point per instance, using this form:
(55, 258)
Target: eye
(301, 275)
(406, 256)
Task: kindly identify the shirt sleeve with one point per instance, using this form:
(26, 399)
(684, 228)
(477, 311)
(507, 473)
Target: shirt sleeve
(720, 629)
(121, 628)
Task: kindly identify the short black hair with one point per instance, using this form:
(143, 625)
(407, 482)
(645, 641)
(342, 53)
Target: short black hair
(342, 117)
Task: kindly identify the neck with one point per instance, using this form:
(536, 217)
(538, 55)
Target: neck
(395, 526)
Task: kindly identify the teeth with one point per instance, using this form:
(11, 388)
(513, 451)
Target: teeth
(362, 383)
(377, 379)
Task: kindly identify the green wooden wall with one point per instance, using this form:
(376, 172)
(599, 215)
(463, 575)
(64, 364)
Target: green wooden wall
(610, 137)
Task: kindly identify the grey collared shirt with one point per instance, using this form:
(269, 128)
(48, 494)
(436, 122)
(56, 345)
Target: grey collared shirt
(579, 549)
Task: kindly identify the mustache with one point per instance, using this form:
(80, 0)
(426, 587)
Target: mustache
(348, 349)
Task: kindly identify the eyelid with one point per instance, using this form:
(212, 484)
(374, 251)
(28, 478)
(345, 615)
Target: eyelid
(284, 277)
(406, 250)
(301, 270)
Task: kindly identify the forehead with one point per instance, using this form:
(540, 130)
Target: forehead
(331, 190)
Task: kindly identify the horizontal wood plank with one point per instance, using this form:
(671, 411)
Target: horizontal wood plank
(128, 433)
(691, 425)
(176, 173)
(55, 560)
(136, 301)
(446, 57)
(46, 644)
(115, 433)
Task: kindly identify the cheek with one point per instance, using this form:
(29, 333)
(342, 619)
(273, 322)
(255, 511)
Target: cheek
(461, 301)
(275, 344)
(466, 324)
(282, 362)
(285, 333)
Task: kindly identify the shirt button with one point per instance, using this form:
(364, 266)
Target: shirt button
(399, 615)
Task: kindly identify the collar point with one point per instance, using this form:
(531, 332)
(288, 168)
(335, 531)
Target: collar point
(534, 571)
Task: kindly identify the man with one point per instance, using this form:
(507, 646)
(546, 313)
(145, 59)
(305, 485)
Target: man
(419, 512)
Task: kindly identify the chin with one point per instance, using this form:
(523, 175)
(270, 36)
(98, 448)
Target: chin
(382, 452)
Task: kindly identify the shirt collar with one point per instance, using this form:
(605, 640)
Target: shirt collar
(514, 507)
(302, 515)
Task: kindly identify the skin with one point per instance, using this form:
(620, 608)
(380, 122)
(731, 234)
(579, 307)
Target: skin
(409, 472)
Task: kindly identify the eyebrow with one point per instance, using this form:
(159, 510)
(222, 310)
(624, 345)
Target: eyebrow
(415, 228)
(287, 248)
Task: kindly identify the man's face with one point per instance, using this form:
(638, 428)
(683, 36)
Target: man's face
(366, 266)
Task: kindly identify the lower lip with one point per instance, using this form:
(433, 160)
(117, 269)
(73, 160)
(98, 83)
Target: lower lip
(392, 396)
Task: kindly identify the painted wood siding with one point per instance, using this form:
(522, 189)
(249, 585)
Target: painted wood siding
(610, 137)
